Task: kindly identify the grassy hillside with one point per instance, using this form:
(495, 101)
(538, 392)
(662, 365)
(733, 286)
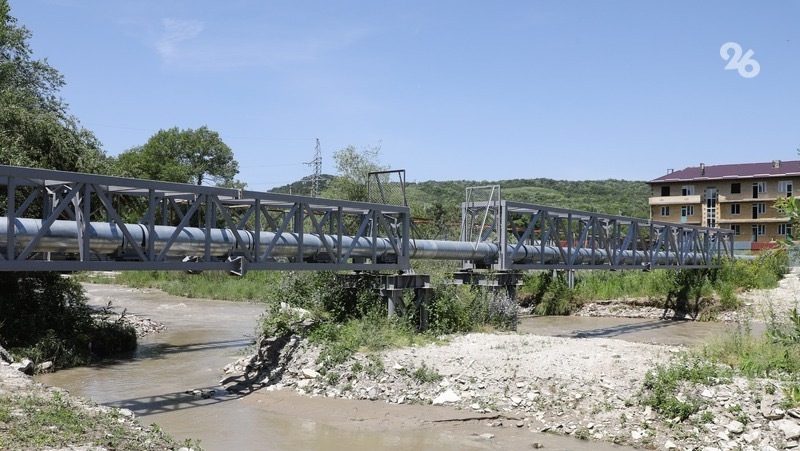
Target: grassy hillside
(436, 206)
(302, 187)
(618, 197)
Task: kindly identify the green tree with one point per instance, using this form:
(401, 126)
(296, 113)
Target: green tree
(42, 315)
(353, 167)
(184, 156)
(36, 128)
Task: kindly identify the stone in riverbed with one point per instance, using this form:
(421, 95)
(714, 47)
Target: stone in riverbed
(735, 427)
(670, 445)
(446, 397)
(309, 373)
(790, 429)
(751, 436)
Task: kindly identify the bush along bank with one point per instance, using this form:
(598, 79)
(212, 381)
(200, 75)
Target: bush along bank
(44, 318)
(695, 294)
(342, 319)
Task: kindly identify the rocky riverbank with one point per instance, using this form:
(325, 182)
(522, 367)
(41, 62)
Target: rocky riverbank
(587, 388)
(142, 325)
(33, 416)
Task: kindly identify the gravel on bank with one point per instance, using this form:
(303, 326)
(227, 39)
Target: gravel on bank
(587, 388)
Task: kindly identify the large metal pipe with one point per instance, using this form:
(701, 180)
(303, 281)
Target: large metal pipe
(107, 239)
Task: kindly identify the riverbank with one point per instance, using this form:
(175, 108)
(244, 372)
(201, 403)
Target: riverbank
(585, 388)
(34, 416)
(755, 305)
(172, 381)
(509, 387)
(638, 394)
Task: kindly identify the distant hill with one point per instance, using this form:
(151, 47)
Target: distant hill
(436, 205)
(616, 197)
(302, 187)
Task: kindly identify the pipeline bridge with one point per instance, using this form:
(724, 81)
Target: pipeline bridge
(66, 221)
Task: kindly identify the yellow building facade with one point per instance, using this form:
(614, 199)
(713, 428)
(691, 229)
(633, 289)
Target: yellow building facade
(740, 197)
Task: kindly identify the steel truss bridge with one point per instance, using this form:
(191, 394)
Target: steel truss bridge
(65, 221)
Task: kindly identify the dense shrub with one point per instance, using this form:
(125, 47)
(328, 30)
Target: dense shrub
(44, 316)
(460, 308)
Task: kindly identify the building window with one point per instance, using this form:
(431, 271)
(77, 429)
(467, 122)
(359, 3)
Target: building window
(785, 186)
(785, 229)
(761, 229)
(687, 190)
(737, 229)
(665, 190)
(664, 211)
(736, 188)
(687, 210)
(762, 207)
(759, 188)
(736, 209)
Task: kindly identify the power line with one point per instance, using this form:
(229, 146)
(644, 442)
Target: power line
(316, 166)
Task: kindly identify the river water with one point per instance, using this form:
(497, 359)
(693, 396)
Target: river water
(202, 336)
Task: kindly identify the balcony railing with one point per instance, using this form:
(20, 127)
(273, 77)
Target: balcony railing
(675, 200)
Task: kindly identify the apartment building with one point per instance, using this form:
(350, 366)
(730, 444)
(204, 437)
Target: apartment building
(740, 197)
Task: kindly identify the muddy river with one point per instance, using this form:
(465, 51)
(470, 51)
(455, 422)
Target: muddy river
(202, 336)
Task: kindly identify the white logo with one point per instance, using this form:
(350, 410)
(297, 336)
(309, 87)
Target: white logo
(744, 64)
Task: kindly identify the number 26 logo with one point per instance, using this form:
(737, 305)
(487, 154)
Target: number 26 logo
(744, 64)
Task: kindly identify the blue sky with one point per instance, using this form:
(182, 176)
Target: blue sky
(448, 89)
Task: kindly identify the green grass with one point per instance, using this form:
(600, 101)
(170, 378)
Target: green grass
(774, 355)
(662, 383)
(371, 333)
(423, 374)
(254, 286)
(36, 421)
(700, 291)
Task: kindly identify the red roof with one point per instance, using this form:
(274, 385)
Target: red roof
(733, 171)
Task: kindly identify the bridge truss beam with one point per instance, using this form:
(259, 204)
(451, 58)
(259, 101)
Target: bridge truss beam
(541, 237)
(65, 221)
